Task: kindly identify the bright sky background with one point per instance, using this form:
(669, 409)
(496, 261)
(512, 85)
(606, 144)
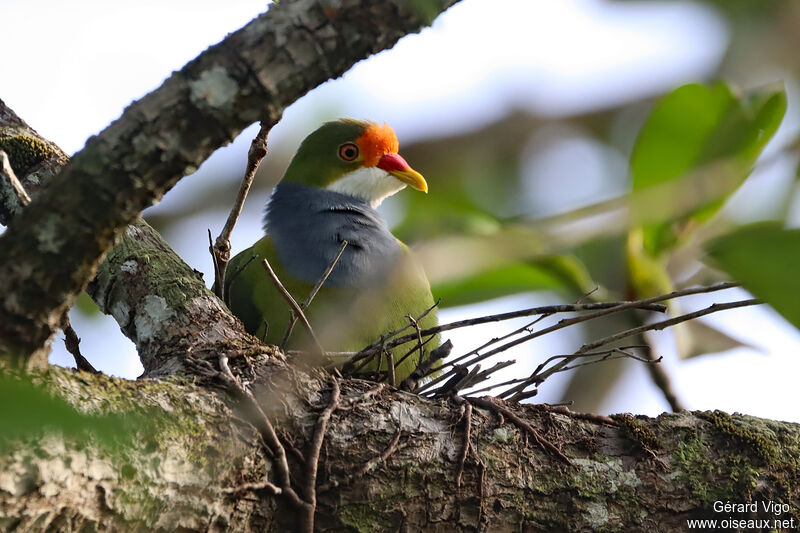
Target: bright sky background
(77, 64)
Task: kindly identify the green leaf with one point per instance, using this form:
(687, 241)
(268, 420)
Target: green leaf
(552, 272)
(764, 258)
(693, 128)
(86, 305)
(29, 410)
(672, 139)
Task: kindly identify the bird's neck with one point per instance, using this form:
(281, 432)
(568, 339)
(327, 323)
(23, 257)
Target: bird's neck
(370, 184)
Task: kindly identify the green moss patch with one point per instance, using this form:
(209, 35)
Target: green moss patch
(24, 152)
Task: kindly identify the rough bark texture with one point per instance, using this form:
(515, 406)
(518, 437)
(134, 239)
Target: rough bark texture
(151, 292)
(645, 474)
(163, 305)
(194, 462)
(34, 159)
(52, 249)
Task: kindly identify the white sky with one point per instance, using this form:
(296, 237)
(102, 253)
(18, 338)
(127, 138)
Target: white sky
(480, 60)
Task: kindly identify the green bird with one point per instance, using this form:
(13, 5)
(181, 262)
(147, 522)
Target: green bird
(340, 174)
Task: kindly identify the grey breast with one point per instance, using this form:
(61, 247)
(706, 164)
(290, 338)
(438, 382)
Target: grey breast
(307, 225)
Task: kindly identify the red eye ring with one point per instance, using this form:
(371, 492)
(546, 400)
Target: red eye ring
(348, 151)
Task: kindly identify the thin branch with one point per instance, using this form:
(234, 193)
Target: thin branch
(312, 295)
(714, 308)
(459, 381)
(465, 442)
(488, 403)
(414, 349)
(380, 345)
(349, 403)
(423, 369)
(261, 422)
(255, 486)
(366, 467)
(221, 251)
(663, 381)
(314, 448)
(419, 336)
(390, 370)
(72, 343)
(295, 307)
(602, 308)
(567, 322)
(7, 173)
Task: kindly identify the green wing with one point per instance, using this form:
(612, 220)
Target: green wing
(345, 320)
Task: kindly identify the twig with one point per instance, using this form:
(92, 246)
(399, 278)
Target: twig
(611, 307)
(379, 345)
(363, 469)
(566, 322)
(8, 174)
(498, 385)
(221, 251)
(314, 448)
(255, 486)
(647, 327)
(419, 336)
(662, 380)
(423, 369)
(72, 343)
(390, 449)
(488, 403)
(563, 410)
(527, 327)
(602, 308)
(219, 275)
(288, 444)
(458, 382)
(349, 403)
(312, 295)
(481, 478)
(295, 307)
(390, 371)
(414, 349)
(465, 442)
(259, 419)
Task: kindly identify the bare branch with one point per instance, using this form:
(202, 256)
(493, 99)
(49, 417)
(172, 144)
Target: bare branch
(312, 295)
(312, 457)
(72, 343)
(221, 251)
(12, 193)
(166, 135)
(293, 305)
(714, 308)
(488, 403)
(258, 418)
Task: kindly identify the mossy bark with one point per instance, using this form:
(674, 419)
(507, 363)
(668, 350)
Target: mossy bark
(183, 472)
(52, 249)
(190, 465)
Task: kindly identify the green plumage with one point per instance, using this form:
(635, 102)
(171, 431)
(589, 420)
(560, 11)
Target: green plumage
(345, 318)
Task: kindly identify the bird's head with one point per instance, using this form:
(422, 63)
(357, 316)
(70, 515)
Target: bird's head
(354, 157)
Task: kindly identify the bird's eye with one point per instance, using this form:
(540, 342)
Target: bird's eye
(348, 151)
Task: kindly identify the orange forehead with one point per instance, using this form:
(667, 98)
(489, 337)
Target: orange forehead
(377, 140)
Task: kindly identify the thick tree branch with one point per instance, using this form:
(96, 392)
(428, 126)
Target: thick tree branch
(52, 249)
(203, 470)
(160, 303)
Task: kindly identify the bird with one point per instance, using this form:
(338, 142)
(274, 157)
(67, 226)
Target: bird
(329, 194)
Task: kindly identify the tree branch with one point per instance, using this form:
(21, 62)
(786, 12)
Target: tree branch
(199, 471)
(52, 249)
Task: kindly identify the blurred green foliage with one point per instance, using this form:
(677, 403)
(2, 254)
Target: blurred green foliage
(29, 410)
(694, 127)
(764, 258)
